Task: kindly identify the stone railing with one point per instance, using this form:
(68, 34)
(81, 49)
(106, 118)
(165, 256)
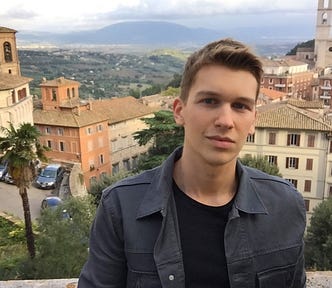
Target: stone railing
(314, 280)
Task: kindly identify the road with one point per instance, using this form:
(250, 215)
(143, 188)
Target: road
(11, 202)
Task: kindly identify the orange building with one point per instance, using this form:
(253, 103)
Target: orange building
(72, 129)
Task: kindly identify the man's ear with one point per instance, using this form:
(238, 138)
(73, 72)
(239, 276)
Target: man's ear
(177, 111)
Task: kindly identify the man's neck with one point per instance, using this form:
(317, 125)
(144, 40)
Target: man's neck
(213, 186)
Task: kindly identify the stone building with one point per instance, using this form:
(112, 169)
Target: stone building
(296, 136)
(15, 99)
(288, 76)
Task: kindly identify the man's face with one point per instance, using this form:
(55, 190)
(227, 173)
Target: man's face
(218, 115)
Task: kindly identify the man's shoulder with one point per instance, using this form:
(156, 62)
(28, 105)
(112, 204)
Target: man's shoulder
(258, 175)
(135, 184)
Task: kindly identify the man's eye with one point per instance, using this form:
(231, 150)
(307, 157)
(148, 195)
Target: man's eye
(240, 106)
(209, 101)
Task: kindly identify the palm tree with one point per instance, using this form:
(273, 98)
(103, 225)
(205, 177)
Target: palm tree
(21, 148)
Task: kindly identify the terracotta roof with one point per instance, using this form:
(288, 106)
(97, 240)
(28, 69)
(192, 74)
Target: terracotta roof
(121, 109)
(61, 81)
(286, 116)
(113, 110)
(272, 94)
(281, 62)
(9, 81)
(6, 30)
(67, 118)
(315, 104)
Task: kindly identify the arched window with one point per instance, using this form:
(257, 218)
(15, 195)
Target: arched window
(324, 18)
(68, 93)
(7, 52)
(73, 92)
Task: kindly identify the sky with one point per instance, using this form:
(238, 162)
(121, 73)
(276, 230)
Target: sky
(70, 15)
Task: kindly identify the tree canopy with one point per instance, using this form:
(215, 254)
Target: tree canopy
(318, 239)
(163, 134)
(21, 148)
(261, 163)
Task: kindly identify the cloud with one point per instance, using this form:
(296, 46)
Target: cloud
(65, 15)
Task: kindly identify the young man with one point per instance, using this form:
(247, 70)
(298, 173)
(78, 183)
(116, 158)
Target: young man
(202, 219)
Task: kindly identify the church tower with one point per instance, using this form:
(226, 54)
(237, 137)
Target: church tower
(9, 62)
(323, 39)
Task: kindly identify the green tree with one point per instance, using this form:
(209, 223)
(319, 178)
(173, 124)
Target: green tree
(21, 148)
(318, 239)
(307, 44)
(176, 81)
(62, 241)
(164, 135)
(261, 163)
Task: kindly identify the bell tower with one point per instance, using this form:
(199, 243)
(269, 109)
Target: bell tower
(9, 62)
(323, 38)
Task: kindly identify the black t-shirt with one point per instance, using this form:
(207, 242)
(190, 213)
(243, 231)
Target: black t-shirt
(202, 230)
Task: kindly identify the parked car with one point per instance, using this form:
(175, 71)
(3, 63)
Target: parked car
(9, 179)
(51, 202)
(50, 177)
(3, 170)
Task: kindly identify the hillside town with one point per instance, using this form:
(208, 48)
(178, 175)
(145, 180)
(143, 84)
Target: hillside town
(93, 138)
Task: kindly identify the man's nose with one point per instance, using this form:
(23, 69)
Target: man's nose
(224, 117)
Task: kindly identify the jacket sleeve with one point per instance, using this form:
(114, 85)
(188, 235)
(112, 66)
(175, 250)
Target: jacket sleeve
(106, 264)
(300, 274)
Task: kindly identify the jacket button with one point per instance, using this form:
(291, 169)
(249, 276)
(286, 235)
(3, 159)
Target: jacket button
(171, 277)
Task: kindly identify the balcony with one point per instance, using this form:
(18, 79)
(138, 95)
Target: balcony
(325, 97)
(325, 87)
(280, 85)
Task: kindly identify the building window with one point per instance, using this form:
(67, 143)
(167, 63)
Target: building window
(115, 168)
(62, 146)
(49, 143)
(100, 127)
(272, 138)
(307, 185)
(101, 159)
(8, 52)
(135, 162)
(53, 94)
(293, 181)
(293, 140)
(126, 164)
(89, 130)
(309, 164)
(311, 140)
(251, 138)
(307, 204)
(273, 160)
(292, 162)
(48, 130)
(60, 131)
(330, 150)
(330, 191)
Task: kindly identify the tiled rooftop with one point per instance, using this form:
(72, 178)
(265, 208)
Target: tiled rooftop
(286, 116)
(9, 81)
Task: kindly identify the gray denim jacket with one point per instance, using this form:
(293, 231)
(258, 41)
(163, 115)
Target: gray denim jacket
(135, 237)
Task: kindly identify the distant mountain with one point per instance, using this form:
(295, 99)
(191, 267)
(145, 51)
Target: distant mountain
(138, 33)
(158, 33)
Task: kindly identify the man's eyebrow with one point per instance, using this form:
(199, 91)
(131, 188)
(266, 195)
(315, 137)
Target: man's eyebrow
(203, 93)
(246, 99)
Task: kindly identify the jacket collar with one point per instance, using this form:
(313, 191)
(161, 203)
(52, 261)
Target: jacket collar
(161, 188)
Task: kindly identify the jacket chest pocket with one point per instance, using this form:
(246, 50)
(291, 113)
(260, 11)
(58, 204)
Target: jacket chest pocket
(281, 277)
(142, 272)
